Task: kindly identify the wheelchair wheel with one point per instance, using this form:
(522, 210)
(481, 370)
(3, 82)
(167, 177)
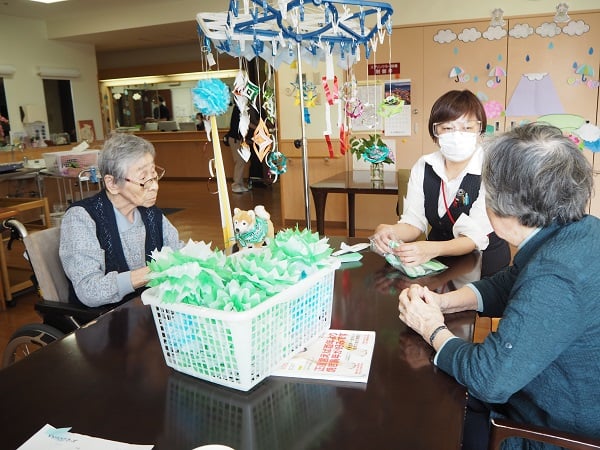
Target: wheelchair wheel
(27, 340)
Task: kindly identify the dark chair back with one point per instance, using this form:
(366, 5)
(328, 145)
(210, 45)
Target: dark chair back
(502, 429)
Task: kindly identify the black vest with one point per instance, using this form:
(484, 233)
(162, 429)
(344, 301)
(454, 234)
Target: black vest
(100, 209)
(497, 255)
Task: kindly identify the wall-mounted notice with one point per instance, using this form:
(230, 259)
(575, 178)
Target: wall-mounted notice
(398, 124)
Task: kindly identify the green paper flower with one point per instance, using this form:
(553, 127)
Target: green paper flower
(197, 275)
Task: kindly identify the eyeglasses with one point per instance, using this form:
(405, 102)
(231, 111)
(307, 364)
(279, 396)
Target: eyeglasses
(159, 171)
(466, 126)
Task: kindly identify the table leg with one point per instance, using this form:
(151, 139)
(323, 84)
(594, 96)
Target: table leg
(351, 211)
(320, 198)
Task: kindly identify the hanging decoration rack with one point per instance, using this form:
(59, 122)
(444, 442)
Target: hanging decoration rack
(284, 31)
(272, 31)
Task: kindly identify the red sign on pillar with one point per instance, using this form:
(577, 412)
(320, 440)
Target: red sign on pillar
(384, 69)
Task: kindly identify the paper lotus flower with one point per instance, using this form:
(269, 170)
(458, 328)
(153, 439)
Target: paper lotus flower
(196, 275)
(371, 149)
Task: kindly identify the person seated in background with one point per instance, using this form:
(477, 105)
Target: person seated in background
(541, 365)
(445, 193)
(106, 240)
(199, 122)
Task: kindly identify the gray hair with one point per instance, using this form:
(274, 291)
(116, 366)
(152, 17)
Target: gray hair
(538, 175)
(120, 152)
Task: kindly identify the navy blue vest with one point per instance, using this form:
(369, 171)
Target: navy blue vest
(100, 209)
(497, 255)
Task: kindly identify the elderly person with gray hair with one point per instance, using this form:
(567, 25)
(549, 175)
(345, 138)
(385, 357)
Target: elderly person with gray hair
(541, 366)
(106, 240)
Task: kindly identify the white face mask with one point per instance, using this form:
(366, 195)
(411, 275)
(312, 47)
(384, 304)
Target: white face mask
(458, 146)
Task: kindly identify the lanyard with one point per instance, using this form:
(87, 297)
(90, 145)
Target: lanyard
(443, 188)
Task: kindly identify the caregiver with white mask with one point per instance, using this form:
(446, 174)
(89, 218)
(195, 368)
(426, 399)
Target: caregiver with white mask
(445, 199)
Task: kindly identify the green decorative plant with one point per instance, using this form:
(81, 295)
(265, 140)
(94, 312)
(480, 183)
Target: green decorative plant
(371, 149)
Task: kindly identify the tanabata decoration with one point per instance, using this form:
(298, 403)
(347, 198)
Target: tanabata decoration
(277, 163)
(262, 140)
(211, 97)
(198, 275)
(291, 30)
(390, 106)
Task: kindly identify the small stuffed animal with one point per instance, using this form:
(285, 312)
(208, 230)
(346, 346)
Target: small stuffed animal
(252, 228)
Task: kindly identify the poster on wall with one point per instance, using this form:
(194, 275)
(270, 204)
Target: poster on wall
(398, 124)
(86, 130)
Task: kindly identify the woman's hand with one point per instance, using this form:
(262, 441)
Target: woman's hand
(384, 234)
(420, 310)
(139, 277)
(416, 253)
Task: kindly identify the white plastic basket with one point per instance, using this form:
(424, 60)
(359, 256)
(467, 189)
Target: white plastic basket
(240, 349)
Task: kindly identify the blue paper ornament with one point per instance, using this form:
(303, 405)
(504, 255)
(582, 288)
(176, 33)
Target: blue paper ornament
(211, 97)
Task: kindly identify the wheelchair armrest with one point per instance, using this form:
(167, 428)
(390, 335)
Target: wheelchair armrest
(81, 314)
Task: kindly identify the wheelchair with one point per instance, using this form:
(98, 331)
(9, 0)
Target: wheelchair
(58, 316)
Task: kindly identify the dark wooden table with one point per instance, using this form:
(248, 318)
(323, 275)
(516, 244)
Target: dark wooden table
(110, 380)
(350, 183)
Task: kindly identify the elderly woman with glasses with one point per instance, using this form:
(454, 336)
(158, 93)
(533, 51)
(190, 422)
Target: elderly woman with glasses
(541, 366)
(106, 240)
(445, 199)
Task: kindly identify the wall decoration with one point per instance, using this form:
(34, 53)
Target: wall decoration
(535, 95)
(444, 36)
(86, 130)
(494, 33)
(493, 109)
(590, 135)
(576, 28)
(469, 35)
(496, 73)
(548, 29)
(520, 31)
(459, 74)
(583, 75)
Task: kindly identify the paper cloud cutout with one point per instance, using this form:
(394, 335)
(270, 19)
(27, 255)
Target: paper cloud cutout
(469, 35)
(521, 30)
(535, 76)
(444, 36)
(548, 29)
(494, 33)
(576, 27)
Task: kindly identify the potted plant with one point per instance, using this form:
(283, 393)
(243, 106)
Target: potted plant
(373, 150)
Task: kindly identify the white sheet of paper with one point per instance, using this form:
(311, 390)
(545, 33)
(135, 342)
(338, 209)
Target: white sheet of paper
(50, 438)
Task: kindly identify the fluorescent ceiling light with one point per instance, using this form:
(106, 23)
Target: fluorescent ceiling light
(48, 1)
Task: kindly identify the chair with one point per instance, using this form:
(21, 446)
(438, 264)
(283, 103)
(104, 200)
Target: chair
(59, 316)
(403, 176)
(42, 250)
(502, 429)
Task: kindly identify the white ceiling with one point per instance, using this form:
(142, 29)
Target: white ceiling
(112, 25)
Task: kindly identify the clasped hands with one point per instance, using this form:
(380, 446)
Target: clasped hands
(421, 310)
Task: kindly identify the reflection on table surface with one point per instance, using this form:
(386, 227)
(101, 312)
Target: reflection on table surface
(110, 380)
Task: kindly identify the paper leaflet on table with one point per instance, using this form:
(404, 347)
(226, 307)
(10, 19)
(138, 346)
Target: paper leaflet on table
(50, 438)
(337, 355)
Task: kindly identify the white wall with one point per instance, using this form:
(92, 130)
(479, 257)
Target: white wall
(25, 47)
